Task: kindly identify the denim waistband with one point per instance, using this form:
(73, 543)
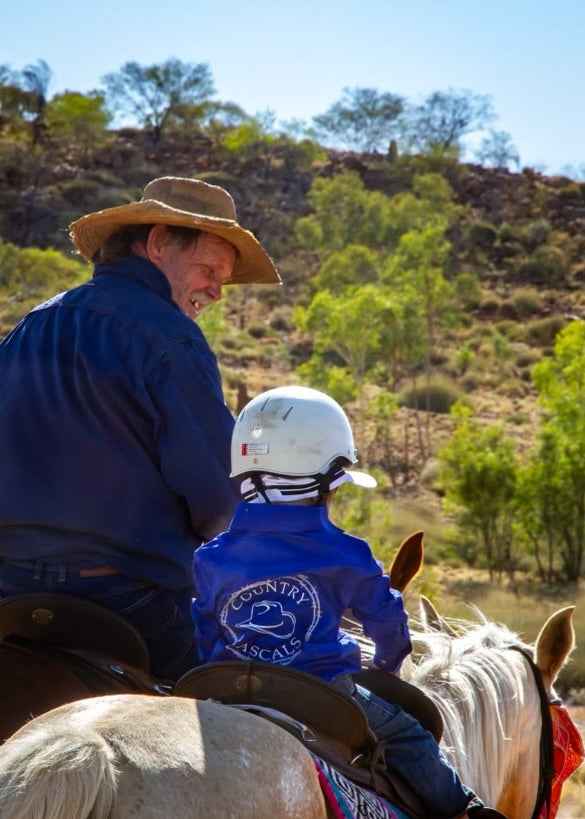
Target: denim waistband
(66, 566)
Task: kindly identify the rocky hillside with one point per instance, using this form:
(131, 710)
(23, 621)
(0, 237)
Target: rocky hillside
(43, 189)
(522, 234)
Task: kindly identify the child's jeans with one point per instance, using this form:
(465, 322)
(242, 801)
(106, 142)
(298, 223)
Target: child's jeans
(162, 616)
(412, 752)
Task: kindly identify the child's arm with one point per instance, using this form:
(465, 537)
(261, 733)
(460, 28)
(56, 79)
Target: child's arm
(380, 610)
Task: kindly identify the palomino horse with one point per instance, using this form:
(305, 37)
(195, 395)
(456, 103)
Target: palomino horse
(133, 755)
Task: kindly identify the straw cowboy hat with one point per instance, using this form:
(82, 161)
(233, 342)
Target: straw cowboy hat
(184, 202)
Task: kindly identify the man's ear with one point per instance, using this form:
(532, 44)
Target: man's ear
(155, 243)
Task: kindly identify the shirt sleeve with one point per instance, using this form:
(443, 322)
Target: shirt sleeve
(194, 436)
(380, 610)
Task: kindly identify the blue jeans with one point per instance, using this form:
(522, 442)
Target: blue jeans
(162, 616)
(412, 752)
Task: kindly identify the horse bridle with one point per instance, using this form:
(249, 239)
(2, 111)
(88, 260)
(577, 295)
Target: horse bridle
(546, 768)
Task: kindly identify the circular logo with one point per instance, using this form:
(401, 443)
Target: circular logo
(271, 620)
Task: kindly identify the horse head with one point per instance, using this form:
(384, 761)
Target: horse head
(496, 694)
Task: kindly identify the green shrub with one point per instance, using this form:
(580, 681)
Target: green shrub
(527, 357)
(571, 194)
(280, 320)
(510, 329)
(81, 192)
(518, 419)
(439, 396)
(481, 234)
(468, 290)
(546, 265)
(464, 358)
(537, 233)
(509, 233)
(491, 304)
(526, 301)
(470, 381)
(258, 330)
(542, 332)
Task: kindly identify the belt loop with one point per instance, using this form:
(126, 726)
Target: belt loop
(38, 570)
(62, 576)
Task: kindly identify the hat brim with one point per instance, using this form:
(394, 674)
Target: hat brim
(253, 265)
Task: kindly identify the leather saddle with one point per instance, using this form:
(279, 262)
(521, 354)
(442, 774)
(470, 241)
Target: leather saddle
(321, 709)
(100, 647)
(330, 723)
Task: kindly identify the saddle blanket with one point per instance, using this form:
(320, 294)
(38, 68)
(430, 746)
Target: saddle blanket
(347, 800)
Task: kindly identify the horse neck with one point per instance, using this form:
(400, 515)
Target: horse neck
(491, 714)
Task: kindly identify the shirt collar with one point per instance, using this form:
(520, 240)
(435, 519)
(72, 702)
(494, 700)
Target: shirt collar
(280, 517)
(142, 271)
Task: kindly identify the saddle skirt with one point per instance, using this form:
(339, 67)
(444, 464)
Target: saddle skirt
(76, 637)
(73, 623)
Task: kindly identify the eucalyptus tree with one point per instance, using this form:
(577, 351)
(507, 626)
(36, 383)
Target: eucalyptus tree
(82, 118)
(439, 123)
(344, 213)
(478, 475)
(153, 94)
(498, 151)
(347, 327)
(36, 78)
(23, 94)
(364, 120)
(560, 381)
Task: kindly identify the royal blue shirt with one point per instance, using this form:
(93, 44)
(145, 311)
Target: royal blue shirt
(274, 586)
(114, 433)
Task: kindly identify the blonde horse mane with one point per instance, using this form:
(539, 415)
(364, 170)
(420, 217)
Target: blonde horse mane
(482, 690)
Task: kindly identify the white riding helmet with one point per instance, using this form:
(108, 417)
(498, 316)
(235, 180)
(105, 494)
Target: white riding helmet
(291, 431)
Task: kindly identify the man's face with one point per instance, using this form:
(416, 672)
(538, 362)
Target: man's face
(196, 273)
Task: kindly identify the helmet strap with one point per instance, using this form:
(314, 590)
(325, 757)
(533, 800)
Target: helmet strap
(256, 479)
(325, 479)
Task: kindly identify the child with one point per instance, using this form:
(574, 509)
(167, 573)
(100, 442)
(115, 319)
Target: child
(274, 587)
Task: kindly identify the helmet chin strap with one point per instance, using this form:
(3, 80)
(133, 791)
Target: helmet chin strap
(322, 479)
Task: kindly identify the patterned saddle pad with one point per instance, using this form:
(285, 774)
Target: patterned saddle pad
(347, 800)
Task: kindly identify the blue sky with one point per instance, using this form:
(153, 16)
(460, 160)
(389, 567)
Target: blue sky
(295, 58)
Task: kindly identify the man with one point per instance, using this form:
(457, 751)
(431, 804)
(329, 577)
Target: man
(114, 434)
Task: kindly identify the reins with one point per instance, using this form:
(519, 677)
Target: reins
(546, 769)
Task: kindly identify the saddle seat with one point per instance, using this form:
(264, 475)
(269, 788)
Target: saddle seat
(303, 697)
(98, 645)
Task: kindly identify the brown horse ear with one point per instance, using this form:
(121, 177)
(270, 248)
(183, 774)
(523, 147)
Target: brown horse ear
(432, 619)
(407, 561)
(554, 643)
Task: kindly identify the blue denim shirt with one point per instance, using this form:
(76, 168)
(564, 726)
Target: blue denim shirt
(291, 575)
(114, 433)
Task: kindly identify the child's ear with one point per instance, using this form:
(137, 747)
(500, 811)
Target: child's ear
(329, 497)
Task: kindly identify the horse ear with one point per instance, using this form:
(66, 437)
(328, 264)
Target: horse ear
(554, 643)
(432, 619)
(407, 561)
